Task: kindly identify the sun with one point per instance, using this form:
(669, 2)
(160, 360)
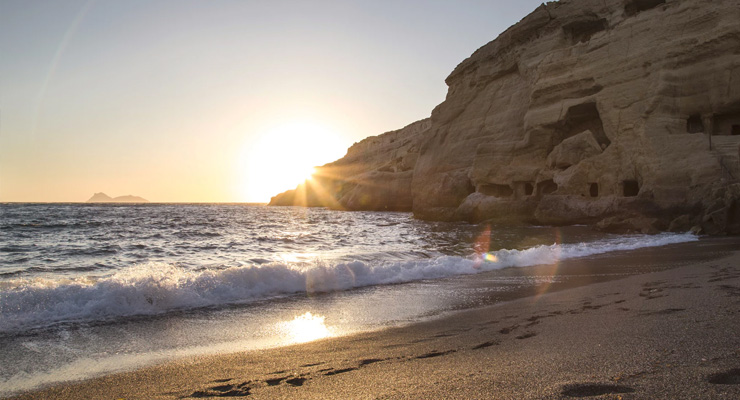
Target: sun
(284, 155)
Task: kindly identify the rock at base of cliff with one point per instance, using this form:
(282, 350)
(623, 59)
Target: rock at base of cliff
(573, 150)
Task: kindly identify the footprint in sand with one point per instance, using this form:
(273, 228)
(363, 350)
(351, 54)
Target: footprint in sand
(730, 377)
(594, 389)
(224, 391)
(486, 344)
(296, 381)
(339, 371)
(527, 335)
(435, 354)
(508, 329)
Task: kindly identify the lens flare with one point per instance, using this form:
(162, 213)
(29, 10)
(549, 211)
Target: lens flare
(554, 267)
(481, 246)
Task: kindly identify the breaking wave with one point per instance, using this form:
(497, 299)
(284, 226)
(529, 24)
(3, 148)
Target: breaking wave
(155, 288)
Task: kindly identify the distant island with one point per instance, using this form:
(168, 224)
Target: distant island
(104, 198)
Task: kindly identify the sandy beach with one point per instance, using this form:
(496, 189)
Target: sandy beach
(661, 335)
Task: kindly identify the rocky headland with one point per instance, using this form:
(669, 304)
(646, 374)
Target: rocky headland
(620, 113)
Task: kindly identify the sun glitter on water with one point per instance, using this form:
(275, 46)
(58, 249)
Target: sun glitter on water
(306, 328)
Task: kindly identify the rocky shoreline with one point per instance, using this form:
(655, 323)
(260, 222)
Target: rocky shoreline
(624, 114)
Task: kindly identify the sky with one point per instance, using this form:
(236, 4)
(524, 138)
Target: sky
(218, 100)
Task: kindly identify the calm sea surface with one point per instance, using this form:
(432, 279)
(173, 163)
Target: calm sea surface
(89, 289)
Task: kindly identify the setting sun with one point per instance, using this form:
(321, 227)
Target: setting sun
(284, 155)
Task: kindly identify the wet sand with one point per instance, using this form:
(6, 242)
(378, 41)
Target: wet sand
(673, 333)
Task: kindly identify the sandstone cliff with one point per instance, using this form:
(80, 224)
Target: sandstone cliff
(619, 112)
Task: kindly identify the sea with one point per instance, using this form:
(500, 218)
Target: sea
(93, 289)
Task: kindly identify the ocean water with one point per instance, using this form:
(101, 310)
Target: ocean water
(90, 289)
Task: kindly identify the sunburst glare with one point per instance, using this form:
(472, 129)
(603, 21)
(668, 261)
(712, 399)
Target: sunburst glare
(285, 155)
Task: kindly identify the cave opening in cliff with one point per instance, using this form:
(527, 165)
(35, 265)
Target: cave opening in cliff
(581, 31)
(496, 190)
(630, 188)
(694, 124)
(632, 7)
(593, 189)
(522, 189)
(733, 217)
(470, 187)
(528, 189)
(580, 118)
(546, 187)
(726, 123)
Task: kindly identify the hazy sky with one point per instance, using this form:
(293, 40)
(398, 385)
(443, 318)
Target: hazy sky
(191, 101)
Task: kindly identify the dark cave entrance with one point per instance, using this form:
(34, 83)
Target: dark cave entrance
(528, 189)
(733, 218)
(726, 123)
(470, 187)
(580, 118)
(546, 187)
(581, 31)
(630, 188)
(694, 124)
(523, 189)
(593, 189)
(633, 7)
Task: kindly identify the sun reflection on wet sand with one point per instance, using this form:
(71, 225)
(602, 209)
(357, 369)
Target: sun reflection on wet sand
(306, 328)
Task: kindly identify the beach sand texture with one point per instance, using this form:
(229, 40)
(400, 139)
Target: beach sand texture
(664, 335)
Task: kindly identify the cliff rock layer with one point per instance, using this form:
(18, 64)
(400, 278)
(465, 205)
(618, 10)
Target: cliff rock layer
(623, 112)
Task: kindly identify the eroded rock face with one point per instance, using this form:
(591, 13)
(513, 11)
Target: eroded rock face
(621, 111)
(592, 109)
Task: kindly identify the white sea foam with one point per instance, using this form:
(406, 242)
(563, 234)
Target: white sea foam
(156, 288)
